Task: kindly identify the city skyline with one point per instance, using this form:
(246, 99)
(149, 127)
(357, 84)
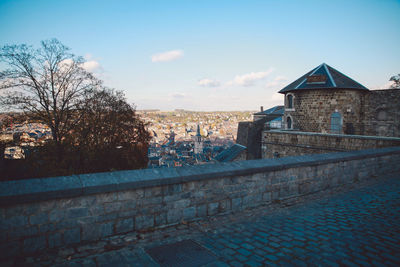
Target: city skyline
(213, 55)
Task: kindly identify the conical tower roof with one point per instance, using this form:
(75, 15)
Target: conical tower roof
(323, 77)
(198, 131)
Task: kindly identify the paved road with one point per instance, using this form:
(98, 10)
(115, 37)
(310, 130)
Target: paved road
(358, 227)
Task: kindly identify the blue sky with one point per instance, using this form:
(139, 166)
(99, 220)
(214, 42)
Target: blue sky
(213, 55)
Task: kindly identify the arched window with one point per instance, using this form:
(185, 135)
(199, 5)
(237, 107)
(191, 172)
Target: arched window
(289, 123)
(336, 123)
(289, 101)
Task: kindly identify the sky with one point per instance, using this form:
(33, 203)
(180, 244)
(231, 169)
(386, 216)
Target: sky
(213, 55)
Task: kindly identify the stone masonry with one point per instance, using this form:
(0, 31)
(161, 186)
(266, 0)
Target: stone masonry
(382, 112)
(41, 214)
(277, 143)
(313, 108)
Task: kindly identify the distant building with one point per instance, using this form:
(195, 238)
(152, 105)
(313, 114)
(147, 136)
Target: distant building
(249, 132)
(198, 142)
(269, 114)
(234, 153)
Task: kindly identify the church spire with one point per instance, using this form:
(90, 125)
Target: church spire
(198, 142)
(198, 131)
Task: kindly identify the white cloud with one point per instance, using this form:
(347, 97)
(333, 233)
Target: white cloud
(278, 81)
(167, 56)
(177, 95)
(250, 78)
(209, 83)
(280, 78)
(91, 65)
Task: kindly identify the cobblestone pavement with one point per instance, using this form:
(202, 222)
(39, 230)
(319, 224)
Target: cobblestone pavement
(356, 226)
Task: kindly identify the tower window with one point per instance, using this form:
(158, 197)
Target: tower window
(290, 102)
(289, 123)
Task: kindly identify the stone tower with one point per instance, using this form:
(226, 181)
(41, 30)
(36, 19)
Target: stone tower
(325, 100)
(198, 142)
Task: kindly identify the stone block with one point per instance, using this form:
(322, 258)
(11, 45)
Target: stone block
(224, 205)
(45, 228)
(96, 231)
(72, 236)
(160, 219)
(172, 189)
(40, 218)
(171, 198)
(128, 205)
(200, 194)
(150, 201)
(154, 191)
(144, 222)
(19, 232)
(212, 208)
(56, 215)
(266, 197)
(274, 195)
(15, 221)
(174, 216)
(128, 213)
(112, 207)
(72, 223)
(54, 240)
(236, 204)
(107, 217)
(201, 210)
(34, 244)
(189, 186)
(180, 204)
(106, 197)
(130, 195)
(252, 200)
(124, 226)
(96, 210)
(189, 213)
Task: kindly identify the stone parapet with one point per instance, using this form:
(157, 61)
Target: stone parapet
(281, 143)
(39, 214)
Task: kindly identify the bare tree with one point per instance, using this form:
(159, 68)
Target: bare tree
(396, 81)
(110, 135)
(46, 83)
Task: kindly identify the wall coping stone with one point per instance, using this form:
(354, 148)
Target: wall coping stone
(383, 138)
(41, 189)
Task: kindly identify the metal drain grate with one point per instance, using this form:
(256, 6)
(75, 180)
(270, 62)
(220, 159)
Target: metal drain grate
(184, 253)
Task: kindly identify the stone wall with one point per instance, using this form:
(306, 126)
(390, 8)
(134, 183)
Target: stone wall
(277, 143)
(313, 109)
(249, 135)
(39, 214)
(375, 112)
(382, 112)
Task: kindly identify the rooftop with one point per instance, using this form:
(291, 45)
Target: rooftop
(323, 77)
(230, 154)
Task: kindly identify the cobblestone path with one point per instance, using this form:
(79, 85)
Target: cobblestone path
(356, 227)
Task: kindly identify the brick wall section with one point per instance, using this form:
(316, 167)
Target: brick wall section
(382, 112)
(292, 143)
(313, 108)
(40, 214)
